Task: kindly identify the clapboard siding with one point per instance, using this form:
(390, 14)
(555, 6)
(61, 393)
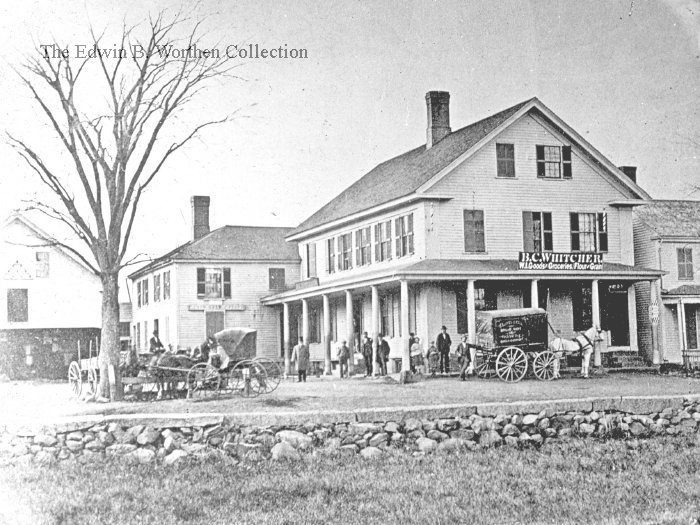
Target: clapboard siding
(164, 310)
(418, 211)
(669, 262)
(474, 185)
(646, 252)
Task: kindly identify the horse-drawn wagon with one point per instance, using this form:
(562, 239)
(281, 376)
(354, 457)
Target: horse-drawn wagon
(227, 364)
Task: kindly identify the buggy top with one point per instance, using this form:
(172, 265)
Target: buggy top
(239, 343)
(518, 326)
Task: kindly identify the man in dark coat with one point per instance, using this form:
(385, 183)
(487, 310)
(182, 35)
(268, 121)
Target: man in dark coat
(300, 355)
(383, 351)
(367, 353)
(156, 347)
(443, 345)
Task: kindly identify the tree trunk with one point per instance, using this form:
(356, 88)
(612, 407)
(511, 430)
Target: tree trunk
(110, 384)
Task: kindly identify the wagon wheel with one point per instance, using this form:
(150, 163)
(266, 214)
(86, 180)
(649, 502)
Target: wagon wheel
(203, 380)
(273, 371)
(248, 378)
(511, 364)
(75, 378)
(543, 365)
(487, 368)
(92, 381)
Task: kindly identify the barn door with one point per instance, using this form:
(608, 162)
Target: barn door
(214, 322)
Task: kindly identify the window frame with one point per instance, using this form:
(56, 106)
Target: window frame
(144, 292)
(330, 255)
(542, 236)
(562, 163)
(166, 285)
(280, 278)
(505, 161)
(363, 246)
(345, 251)
(403, 227)
(221, 276)
(156, 288)
(382, 241)
(600, 232)
(687, 253)
(479, 233)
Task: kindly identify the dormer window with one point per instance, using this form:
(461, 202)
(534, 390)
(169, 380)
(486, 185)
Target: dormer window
(553, 162)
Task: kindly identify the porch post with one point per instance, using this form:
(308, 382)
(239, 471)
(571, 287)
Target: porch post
(682, 335)
(471, 313)
(305, 320)
(595, 306)
(534, 294)
(406, 353)
(654, 313)
(286, 339)
(632, 314)
(326, 335)
(350, 331)
(375, 327)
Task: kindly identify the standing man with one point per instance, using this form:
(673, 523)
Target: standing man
(383, 351)
(300, 355)
(443, 345)
(367, 353)
(343, 356)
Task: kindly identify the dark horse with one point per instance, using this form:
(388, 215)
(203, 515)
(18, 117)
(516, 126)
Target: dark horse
(168, 369)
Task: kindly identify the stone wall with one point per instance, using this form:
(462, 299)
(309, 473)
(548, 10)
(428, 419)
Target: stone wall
(169, 440)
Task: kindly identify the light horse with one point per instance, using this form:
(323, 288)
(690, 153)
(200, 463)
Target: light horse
(584, 342)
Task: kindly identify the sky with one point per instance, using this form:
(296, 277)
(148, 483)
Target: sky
(624, 74)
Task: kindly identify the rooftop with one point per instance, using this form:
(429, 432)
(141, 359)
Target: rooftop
(671, 218)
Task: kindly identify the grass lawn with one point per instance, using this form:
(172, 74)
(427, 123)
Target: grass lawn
(574, 482)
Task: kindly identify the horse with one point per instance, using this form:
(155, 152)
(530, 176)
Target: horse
(163, 368)
(584, 342)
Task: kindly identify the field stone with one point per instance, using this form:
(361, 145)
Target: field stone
(530, 419)
(447, 425)
(425, 444)
(412, 424)
(544, 423)
(124, 438)
(333, 443)
(74, 446)
(536, 439)
(437, 435)
(490, 438)
(416, 434)
(45, 440)
(371, 453)
(360, 429)
(391, 427)
(689, 423)
(44, 458)
(637, 429)
(284, 451)
(463, 433)
(428, 425)
(294, 438)
(174, 457)
(148, 436)
(517, 420)
(511, 441)
(94, 446)
(348, 450)
(142, 455)
(105, 438)
(169, 444)
(377, 439)
(74, 436)
(451, 445)
(120, 449)
(510, 430)
(586, 428)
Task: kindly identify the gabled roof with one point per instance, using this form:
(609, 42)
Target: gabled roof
(671, 218)
(415, 170)
(232, 243)
(406, 173)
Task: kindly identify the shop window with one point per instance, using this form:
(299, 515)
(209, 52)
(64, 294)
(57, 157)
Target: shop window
(505, 160)
(17, 305)
(685, 263)
(474, 239)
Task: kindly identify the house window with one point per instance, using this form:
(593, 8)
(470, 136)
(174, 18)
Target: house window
(685, 263)
(139, 300)
(474, 240)
(156, 288)
(404, 235)
(144, 292)
(330, 255)
(166, 285)
(214, 283)
(537, 231)
(553, 161)
(156, 325)
(311, 260)
(382, 243)
(505, 160)
(589, 232)
(17, 305)
(124, 330)
(276, 276)
(363, 246)
(345, 246)
(42, 264)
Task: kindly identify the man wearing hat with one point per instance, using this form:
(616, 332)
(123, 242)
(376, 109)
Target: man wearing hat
(343, 357)
(443, 345)
(156, 347)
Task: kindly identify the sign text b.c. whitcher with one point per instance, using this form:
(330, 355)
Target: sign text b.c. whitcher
(560, 261)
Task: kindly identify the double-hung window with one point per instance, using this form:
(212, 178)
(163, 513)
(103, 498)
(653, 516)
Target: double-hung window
(685, 262)
(537, 231)
(144, 291)
(382, 243)
(589, 232)
(330, 255)
(214, 283)
(156, 288)
(553, 162)
(166, 285)
(505, 160)
(276, 279)
(404, 235)
(474, 238)
(345, 245)
(139, 299)
(311, 260)
(363, 246)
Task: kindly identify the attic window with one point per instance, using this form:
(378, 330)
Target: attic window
(505, 160)
(553, 162)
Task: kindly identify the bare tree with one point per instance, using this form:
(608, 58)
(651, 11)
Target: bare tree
(115, 153)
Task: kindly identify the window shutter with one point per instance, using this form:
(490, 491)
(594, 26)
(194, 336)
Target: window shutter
(479, 230)
(410, 233)
(200, 282)
(566, 158)
(469, 243)
(388, 238)
(528, 234)
(602, 232)
(540, 161)
(227, 283)
(575, 242)
(397, 232)
(358, 246)
(547, 227)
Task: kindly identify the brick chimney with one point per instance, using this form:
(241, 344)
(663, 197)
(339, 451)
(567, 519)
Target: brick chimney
(438, 103)
(630, 171)
(200, 216)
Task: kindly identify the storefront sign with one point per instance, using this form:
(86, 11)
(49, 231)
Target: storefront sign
(617, 288)
(560, 261)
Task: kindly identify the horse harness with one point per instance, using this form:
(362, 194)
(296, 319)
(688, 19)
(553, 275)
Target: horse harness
(582, 347)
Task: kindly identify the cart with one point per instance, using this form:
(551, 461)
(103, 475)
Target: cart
(512, 342)
(85, 372)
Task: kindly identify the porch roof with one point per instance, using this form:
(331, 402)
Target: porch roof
(461, 269)
(686, 289)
